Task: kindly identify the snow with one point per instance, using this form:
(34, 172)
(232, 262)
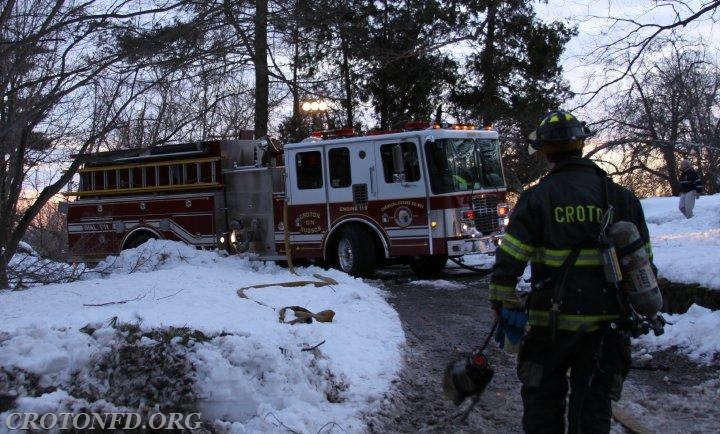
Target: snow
(439, 284)
(254, 373)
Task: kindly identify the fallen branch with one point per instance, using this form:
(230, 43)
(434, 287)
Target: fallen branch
(281, 424)
(171, 295)
(139, 297)
(330, 425)
(313, 347)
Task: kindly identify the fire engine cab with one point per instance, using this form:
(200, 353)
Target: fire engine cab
(418, 196)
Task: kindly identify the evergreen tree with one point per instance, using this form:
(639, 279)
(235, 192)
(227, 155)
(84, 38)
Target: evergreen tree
(406, 77)
(513, 75)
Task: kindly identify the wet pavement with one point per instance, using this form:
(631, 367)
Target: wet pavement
(441, 318)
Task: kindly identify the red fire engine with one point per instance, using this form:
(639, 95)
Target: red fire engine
(417, 196)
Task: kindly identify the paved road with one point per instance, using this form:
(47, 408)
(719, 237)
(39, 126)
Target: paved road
(442, 316)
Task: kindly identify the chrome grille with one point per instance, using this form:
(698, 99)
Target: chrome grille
(486, 218)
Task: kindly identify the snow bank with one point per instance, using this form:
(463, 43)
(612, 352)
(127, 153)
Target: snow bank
(694, 333)
(26, 269)
(252, 374)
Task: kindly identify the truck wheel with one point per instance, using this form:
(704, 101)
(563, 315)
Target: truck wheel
(356, 252)
(138, 240)
(428, 265)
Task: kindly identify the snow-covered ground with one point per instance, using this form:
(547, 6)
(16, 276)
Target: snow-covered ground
(252, 372)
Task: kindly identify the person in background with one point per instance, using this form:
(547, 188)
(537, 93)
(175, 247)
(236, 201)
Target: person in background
(571, 345)
(691, 187)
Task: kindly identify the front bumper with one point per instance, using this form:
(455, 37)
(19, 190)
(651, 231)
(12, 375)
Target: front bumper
(469, 246)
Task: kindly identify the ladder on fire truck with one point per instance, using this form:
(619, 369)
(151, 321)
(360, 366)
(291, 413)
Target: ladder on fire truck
(177, 168)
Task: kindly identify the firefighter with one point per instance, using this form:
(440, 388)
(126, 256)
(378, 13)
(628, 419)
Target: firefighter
(570, 344)
(691, 186)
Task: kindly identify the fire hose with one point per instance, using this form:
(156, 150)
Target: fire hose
(482, 271)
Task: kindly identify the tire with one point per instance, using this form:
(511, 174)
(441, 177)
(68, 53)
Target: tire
(429, 265)
(138, 240)
(355, 252)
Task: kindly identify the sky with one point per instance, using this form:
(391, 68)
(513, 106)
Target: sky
(256, 374)
(596, 28)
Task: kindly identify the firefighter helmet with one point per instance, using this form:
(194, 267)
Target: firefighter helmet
(559, 131)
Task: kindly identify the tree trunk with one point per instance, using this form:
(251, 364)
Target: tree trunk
(673, 173)
(487, 59)
(347, 83)
(4, 283)
(262, 82)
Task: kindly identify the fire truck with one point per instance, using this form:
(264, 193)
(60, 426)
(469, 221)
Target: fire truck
(419, 195)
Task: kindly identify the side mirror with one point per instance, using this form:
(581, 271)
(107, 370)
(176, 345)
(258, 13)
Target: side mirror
(398, 163)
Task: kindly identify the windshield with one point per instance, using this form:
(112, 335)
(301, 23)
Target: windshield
(463, 164)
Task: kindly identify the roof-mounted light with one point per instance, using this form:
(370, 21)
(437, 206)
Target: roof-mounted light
(462, 127)
(333, 134)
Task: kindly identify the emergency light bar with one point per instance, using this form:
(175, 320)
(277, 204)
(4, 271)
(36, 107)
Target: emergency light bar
(333, 134)
(398, 128)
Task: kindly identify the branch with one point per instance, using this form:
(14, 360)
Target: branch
(139, 297)
(313, 347)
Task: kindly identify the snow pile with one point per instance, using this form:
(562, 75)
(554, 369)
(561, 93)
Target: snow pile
(694, 333)
(249, 372)
(26, 269)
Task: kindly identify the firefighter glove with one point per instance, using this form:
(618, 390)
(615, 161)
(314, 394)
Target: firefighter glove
(512, 323)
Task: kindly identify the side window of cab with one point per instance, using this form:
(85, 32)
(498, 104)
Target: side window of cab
(411, 163)
(308, 167)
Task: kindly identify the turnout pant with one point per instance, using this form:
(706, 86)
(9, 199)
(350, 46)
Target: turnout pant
(687, 203)
(591, 365)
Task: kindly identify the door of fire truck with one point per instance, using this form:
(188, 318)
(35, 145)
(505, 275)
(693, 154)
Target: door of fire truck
(401, 188)
(352, 174)
(407, 183)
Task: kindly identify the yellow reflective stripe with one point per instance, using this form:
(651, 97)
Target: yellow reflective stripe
(555, 258)
(648, 250)
(571, 322)
(498, 292)
(515, 248)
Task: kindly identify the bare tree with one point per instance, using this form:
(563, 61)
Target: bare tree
(630, 39)
(64, 86)
(669, 111)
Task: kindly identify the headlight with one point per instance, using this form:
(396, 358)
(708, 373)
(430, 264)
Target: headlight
(233, 238)
(222, 239)
(503, 209)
